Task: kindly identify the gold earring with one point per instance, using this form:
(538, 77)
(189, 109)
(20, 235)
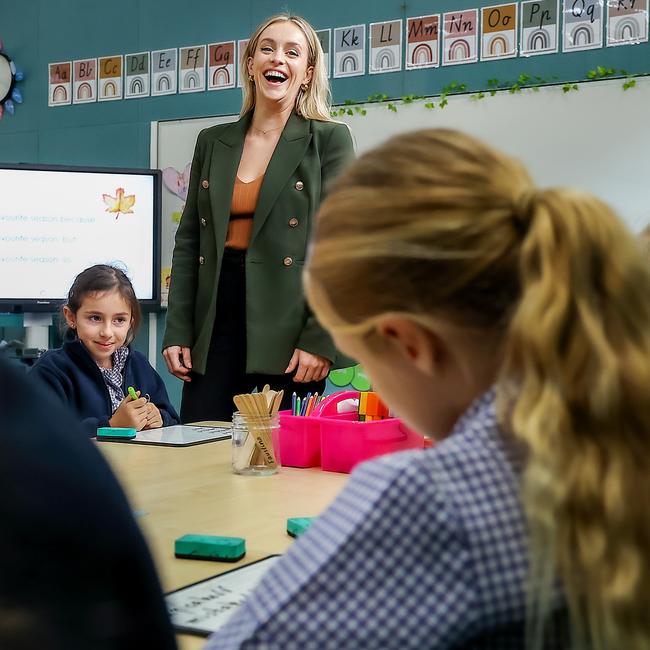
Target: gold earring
(305, 87)
(250, 77)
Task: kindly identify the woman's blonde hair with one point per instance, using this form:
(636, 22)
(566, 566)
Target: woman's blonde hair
(437, 223)
(314, 103)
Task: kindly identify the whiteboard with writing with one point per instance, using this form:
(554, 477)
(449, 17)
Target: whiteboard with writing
(203, 607)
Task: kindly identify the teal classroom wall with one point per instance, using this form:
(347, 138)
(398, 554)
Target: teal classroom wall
(38, 32)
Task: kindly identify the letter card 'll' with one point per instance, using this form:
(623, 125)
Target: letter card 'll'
(385, 47)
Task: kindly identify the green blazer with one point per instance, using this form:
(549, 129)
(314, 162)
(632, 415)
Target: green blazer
(309, 154)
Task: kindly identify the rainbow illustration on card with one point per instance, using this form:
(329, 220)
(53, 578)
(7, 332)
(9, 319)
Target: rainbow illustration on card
(221, 65)
(385, 46)
(59, 83)
(120, 203)
(422, 34)
(460, 37)
(84, 81)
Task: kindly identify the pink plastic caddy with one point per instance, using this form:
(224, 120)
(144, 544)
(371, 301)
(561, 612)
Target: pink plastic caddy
(338, 441)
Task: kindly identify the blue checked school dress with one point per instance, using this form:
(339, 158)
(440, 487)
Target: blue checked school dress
(421, 549)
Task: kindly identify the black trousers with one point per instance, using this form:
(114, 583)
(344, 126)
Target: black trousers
(210, 396)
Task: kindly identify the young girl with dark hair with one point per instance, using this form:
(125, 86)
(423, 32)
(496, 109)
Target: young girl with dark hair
(96, 365)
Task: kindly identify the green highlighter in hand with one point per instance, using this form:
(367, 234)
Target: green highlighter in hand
(118, 433)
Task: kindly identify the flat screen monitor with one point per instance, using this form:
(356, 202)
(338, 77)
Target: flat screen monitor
(57, 221)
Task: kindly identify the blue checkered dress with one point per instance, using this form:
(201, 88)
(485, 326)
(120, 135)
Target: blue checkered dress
(424, 549)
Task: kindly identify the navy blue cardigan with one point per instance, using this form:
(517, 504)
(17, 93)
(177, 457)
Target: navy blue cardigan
(74, 377)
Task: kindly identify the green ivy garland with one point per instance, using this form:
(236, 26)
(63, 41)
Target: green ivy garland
(523, 82)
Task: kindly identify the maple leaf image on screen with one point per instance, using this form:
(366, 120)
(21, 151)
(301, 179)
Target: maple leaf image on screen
(119, 203)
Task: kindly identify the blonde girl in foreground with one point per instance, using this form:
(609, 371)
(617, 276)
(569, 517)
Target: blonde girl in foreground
(513, 324)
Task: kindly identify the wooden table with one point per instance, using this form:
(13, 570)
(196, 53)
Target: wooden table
(182, 490)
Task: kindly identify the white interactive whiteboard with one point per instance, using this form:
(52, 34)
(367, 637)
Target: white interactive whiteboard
(596, 138)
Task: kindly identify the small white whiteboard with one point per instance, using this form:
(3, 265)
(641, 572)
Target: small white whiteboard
(203, 607)
(178, 435)
(181, 435)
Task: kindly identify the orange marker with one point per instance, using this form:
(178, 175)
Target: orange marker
(311, 404)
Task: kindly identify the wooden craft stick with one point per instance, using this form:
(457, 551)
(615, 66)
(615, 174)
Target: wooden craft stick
(248, 446)
(257, 410)
(260, 429)
(272, 406)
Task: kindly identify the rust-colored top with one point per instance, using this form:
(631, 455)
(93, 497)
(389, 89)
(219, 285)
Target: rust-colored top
(242, 209)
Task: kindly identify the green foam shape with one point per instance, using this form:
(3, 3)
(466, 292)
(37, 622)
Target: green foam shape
(116, 432)
(341, 377)
(212, 547)
(298, 525)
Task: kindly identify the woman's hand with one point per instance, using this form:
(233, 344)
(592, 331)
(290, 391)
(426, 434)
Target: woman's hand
(131, 414)
(310, 367)
(179, 361)
(154, 418)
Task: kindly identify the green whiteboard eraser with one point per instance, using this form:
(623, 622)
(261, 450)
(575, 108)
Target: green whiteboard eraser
(298, 525)
(210, 547)
(118, 433)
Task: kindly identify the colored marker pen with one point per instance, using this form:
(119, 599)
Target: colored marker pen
(305, 401)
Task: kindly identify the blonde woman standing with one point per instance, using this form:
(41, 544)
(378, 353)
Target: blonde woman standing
(237, 317)
(513, 324)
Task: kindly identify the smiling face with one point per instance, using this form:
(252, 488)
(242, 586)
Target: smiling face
(280, 64)
(102, 324)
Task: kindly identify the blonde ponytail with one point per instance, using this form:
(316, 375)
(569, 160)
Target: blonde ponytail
(578, 350)
(439, 224)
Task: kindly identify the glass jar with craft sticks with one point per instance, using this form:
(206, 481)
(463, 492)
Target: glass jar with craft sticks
(255, 433)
